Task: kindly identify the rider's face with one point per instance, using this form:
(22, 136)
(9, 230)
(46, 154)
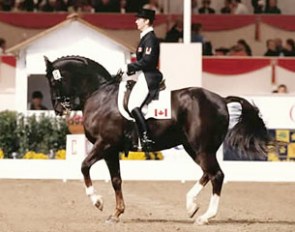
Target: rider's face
(142, 23)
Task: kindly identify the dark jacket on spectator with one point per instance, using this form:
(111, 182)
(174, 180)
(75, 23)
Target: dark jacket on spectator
(204, 10)
(271, 53)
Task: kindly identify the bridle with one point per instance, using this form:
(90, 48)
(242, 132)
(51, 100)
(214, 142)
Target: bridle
(65, 101)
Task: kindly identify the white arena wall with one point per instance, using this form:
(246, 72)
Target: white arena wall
(278, 112)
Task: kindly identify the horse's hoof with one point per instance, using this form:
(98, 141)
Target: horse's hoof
(112, 220)
(98, 203)
(193, 210)
(202, 221)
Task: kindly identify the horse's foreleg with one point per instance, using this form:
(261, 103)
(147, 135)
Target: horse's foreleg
(112, 161)
(191, 197)
(216, 177)
(94, 155)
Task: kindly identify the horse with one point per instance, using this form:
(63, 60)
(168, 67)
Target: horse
(199, 122)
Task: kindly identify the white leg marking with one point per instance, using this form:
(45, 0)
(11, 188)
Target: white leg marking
(95, 199)
(191, 199)
(211, 211)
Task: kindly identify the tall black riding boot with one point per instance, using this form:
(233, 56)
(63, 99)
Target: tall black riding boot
(142, 128)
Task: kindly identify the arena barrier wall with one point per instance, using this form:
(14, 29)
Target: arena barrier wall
(278, 112)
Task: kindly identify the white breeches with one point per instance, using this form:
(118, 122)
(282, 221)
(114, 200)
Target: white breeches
(139, 93)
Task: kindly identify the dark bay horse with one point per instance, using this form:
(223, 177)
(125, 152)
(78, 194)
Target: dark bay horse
(200, 122)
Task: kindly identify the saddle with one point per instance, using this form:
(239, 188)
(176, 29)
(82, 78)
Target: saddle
(129, 86)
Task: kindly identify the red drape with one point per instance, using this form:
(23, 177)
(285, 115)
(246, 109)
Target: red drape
(126, 21)
(288, 64)
(223, 22)
(233, 66)
(46, 20)
(284, 22)
(10, 60)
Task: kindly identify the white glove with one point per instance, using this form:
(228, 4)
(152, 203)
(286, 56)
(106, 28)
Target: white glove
(124, 69)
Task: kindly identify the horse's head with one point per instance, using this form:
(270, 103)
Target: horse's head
(72, 79)
(61, 86)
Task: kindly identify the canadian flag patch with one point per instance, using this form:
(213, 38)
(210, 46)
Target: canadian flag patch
(161, 112)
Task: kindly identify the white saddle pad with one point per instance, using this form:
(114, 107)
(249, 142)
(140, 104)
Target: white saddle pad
(158, 109)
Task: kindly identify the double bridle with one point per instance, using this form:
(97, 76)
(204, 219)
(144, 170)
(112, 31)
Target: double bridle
(65, 101)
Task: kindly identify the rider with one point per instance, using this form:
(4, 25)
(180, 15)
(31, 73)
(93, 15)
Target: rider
(147, 84)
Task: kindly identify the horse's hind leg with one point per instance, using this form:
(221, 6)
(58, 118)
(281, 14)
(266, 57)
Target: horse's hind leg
(191, 197)
(211, 168)
(94, 155)
(112, 161)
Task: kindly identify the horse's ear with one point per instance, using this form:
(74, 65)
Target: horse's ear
(47, 61)
(48, 64)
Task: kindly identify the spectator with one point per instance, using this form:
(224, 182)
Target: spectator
(237, 50)
(258, 6)
(7, 5)
(195, 9)
(245, 45)
(153, 5)
(239, 8)
(226, 9)
(271, 48)
(27, 5)
(175, 34)
(281, 89)
(279, 46)
(134, 5)
(272, 7)
(2, 46)
(221, 51)
(289, 48)
(196, 35)
(206, 9)
(107, 6)
(207, 48)
(36, 104)
(48, 6)
(86, 6)
(60, 5)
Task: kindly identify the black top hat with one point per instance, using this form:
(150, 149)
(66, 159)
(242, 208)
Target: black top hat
(146, 14)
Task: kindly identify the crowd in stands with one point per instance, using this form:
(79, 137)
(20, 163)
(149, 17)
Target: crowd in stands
(117, 6)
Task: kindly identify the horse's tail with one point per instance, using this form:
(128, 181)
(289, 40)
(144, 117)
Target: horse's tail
(249, 136)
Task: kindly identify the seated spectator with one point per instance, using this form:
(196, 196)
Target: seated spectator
(107, 5)
(237, 50)
(153, 5)
(27, 5)
(196, 35)
(221, 51)
(36, 104)
(271, 48)
(279, 46)
(226, 9)
(195, 9)
(86, 6)
(258, 6)
(239, 8)
(272, 7)
(2, 46)
(175, 34)
(245, 45)
(281, 89)
(206, 9)
(48, 6)
(60, 5)
(134, 5)
(207, 48)
(7, 5)
(289, 48)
